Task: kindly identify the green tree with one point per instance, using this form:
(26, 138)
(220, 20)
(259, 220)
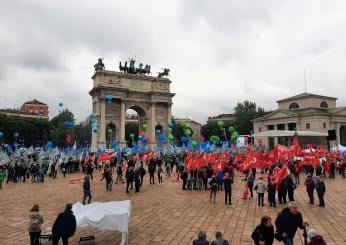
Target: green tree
(245, 112)
(31, 131)
(59, 132)
(211, 128)
(83, 133)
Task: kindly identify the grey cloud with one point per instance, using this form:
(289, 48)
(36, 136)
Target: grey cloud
(219, 52)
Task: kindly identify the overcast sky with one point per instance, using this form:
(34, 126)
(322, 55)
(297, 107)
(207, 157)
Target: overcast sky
(219, 52)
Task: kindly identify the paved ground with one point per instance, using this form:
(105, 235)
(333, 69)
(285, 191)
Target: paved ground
(164, 214)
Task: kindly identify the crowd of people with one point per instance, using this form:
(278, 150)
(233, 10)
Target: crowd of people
(278, 180)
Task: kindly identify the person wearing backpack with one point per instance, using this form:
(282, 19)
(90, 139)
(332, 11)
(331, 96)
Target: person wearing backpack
(35, 225)
(219, 239)
(213, 188)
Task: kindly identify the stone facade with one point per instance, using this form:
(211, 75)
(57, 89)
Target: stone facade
(149, 96)
(304, 112)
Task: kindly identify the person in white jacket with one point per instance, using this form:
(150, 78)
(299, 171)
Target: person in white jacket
(260, 187)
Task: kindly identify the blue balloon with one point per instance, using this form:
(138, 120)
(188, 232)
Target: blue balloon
(170, 125)
(158, 131)
(61, 104)
(109, 99)
(95, 130)
(98, 126)
(114, 143)
(16, 135)
(1, 135)
(183, 139)
(92, 115)
(162, 139)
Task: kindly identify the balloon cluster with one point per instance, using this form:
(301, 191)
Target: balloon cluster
(94, 125)
(185, 128)
(215, 139)
(234, 135)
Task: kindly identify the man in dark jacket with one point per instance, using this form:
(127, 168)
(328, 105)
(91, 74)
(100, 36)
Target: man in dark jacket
(86, 189)
(151, 169)
(130, 175)
(271, 193)
(184, 178)
(287, 222)
(310, 187)
(64, 226)
(227, 183)
(321, 189)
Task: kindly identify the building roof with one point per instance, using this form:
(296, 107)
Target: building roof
(222, 116)
(17, 112)
(34, 102)
(280, 133)
(306, 95)
(187, 120)
(301, 112)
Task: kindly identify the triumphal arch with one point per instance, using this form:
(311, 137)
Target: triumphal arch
(113, 93)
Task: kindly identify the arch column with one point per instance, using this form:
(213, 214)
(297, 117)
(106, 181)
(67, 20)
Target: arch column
(102, 132)
(152, 123)
(122, 122)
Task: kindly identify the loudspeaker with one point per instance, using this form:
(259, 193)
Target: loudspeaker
(331, 134)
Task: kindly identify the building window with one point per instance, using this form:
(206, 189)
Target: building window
(324, 104)
(324, 125)
(293, 106)
(259, 129)
(307, 126)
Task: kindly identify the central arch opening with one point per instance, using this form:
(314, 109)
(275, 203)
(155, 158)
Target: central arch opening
(135, 124)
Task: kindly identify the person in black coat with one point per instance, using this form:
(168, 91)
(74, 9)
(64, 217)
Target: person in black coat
(321, 189)
(282, 192)
(184, 178)
(129, 178)
(142, 173)
(287, 222)
(264, 233)
(137, 179)
(151, 169)
(271, 187)
(86, 189)
(227, 184)
(290, 187)
(64, 226)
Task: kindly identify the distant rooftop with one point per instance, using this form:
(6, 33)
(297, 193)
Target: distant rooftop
(306, 95)
(34, 102)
